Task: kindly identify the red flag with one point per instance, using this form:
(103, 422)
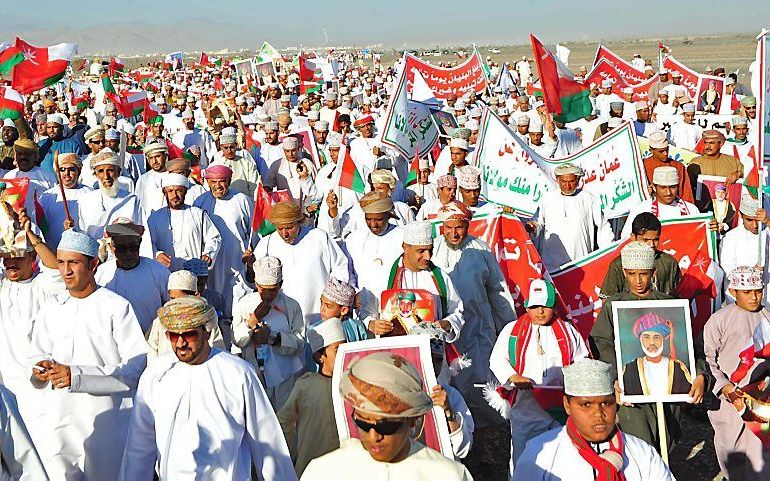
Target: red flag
(42, 66)
(150, 111)
(116, 65)
(15, 192)
(204, 61)
(174, 152)
(752, 178)
(309, 75)
(262, 205)
(414, 169)
(336, 123)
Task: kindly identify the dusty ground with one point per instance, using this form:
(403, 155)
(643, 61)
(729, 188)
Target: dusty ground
(691, 460)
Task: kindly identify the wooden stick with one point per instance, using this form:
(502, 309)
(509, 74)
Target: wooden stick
(61, 186)
(662, 431)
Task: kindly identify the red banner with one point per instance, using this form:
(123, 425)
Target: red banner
(466, 77)
(690, 78)
(605, 70)
(630, 74)
(688, 239)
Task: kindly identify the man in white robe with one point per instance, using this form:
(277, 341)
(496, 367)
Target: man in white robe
(148, 187)
(294, 174)
(271, 150)
(382, 181)
(487, 303)
(191, 135)
(414, 270)
(604, 99)
(687, 133)
(88, 352)
(269, 329)
(140, 280)
(245, 176)
(19, 459)
(446, 191)
(373, 246)
(101, 207)
(381, 447)
(52, 203)
(180, 232)
(666, 204)
(308, 256)
(591, 442)
(365, 149)
(201, 412)
(230, 211)
(570, 222)
(337, 198)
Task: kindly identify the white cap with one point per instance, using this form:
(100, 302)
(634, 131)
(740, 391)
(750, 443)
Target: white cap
(418, 233)
(606, 83)
(522, 120)
(536, 127)
(169, 179)
(182, 280)
(637, 255)
(749, 205)
(665, 175)
(469, 177)
(325, 334)
(268, 271)
(746, 278)
(658, 140)
(588, 378)
(459, 143)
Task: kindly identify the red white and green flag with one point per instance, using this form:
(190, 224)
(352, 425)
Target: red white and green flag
(152, 86)
(14, 191)
(42, 66)
(11, 104)
(116, 65)
(151, 111)
(129, 104)
(566, 99)
(349, 176)
(10, 56)
(107, 84)
(217, 61)
(142, 77)
(262, 206)
(309, 75)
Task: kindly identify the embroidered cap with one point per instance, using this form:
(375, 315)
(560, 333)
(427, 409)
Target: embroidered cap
(589, 378)
(325, 334)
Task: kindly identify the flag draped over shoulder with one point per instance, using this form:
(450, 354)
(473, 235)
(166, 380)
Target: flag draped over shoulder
(42, 66)
(566, 99)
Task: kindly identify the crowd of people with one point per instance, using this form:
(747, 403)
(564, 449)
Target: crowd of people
(175, 288)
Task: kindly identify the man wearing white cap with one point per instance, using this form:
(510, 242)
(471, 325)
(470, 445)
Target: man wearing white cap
(414, 270)
(543, 139)
(102, 206)
(522, 128)
(191, 135)
(591, 442)
(732, 355)
(662, 105)
(570, 223)
(180, 232)
(245, 176)
(675, 88)
(606, 97)
(181, 283)
(307, 417)
(454, 155)
(88, 353)
(666, 203)
(388, 397)
(659, 157)
(687, 133)
(271, 150)
(740, 246)
(629, 106)
(530, 353)
(148, 187)
(739, 145)
(269, 329)
(58, 142)
(638, 260)
(140, 280)
(293, 173)
(201, 396)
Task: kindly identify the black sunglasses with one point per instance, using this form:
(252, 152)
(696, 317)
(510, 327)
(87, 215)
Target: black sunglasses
(384, 428)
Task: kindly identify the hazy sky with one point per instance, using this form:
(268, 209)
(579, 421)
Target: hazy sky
(396, 22)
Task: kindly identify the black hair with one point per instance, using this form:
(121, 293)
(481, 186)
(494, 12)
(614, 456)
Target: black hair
(644, 222)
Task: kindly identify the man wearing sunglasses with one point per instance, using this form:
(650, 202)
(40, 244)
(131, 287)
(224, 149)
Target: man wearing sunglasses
(201, 410)
(52, 203)
(388, 399)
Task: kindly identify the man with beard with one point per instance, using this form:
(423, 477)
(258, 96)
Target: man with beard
(384, 182)
(88, 353)
(201, 396)
(98, 208)
(12, 131)
(245, 176)
(141, 281)
(655, 373)
(309, 257)
(487, 303)
(148, 187)
(230, 211)
(570, 220)
(52, 203)
(371, 247)
(714, 162)
(180, 232)
(271, 150)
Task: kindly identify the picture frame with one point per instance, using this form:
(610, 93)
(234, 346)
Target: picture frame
(415, 349)
(638, 323)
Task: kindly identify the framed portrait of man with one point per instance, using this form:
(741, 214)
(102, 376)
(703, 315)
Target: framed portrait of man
(445, 122)
(433, 431)
(406, 308)
(654, 350)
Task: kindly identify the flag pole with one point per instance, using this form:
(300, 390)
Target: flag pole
(661, 415)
